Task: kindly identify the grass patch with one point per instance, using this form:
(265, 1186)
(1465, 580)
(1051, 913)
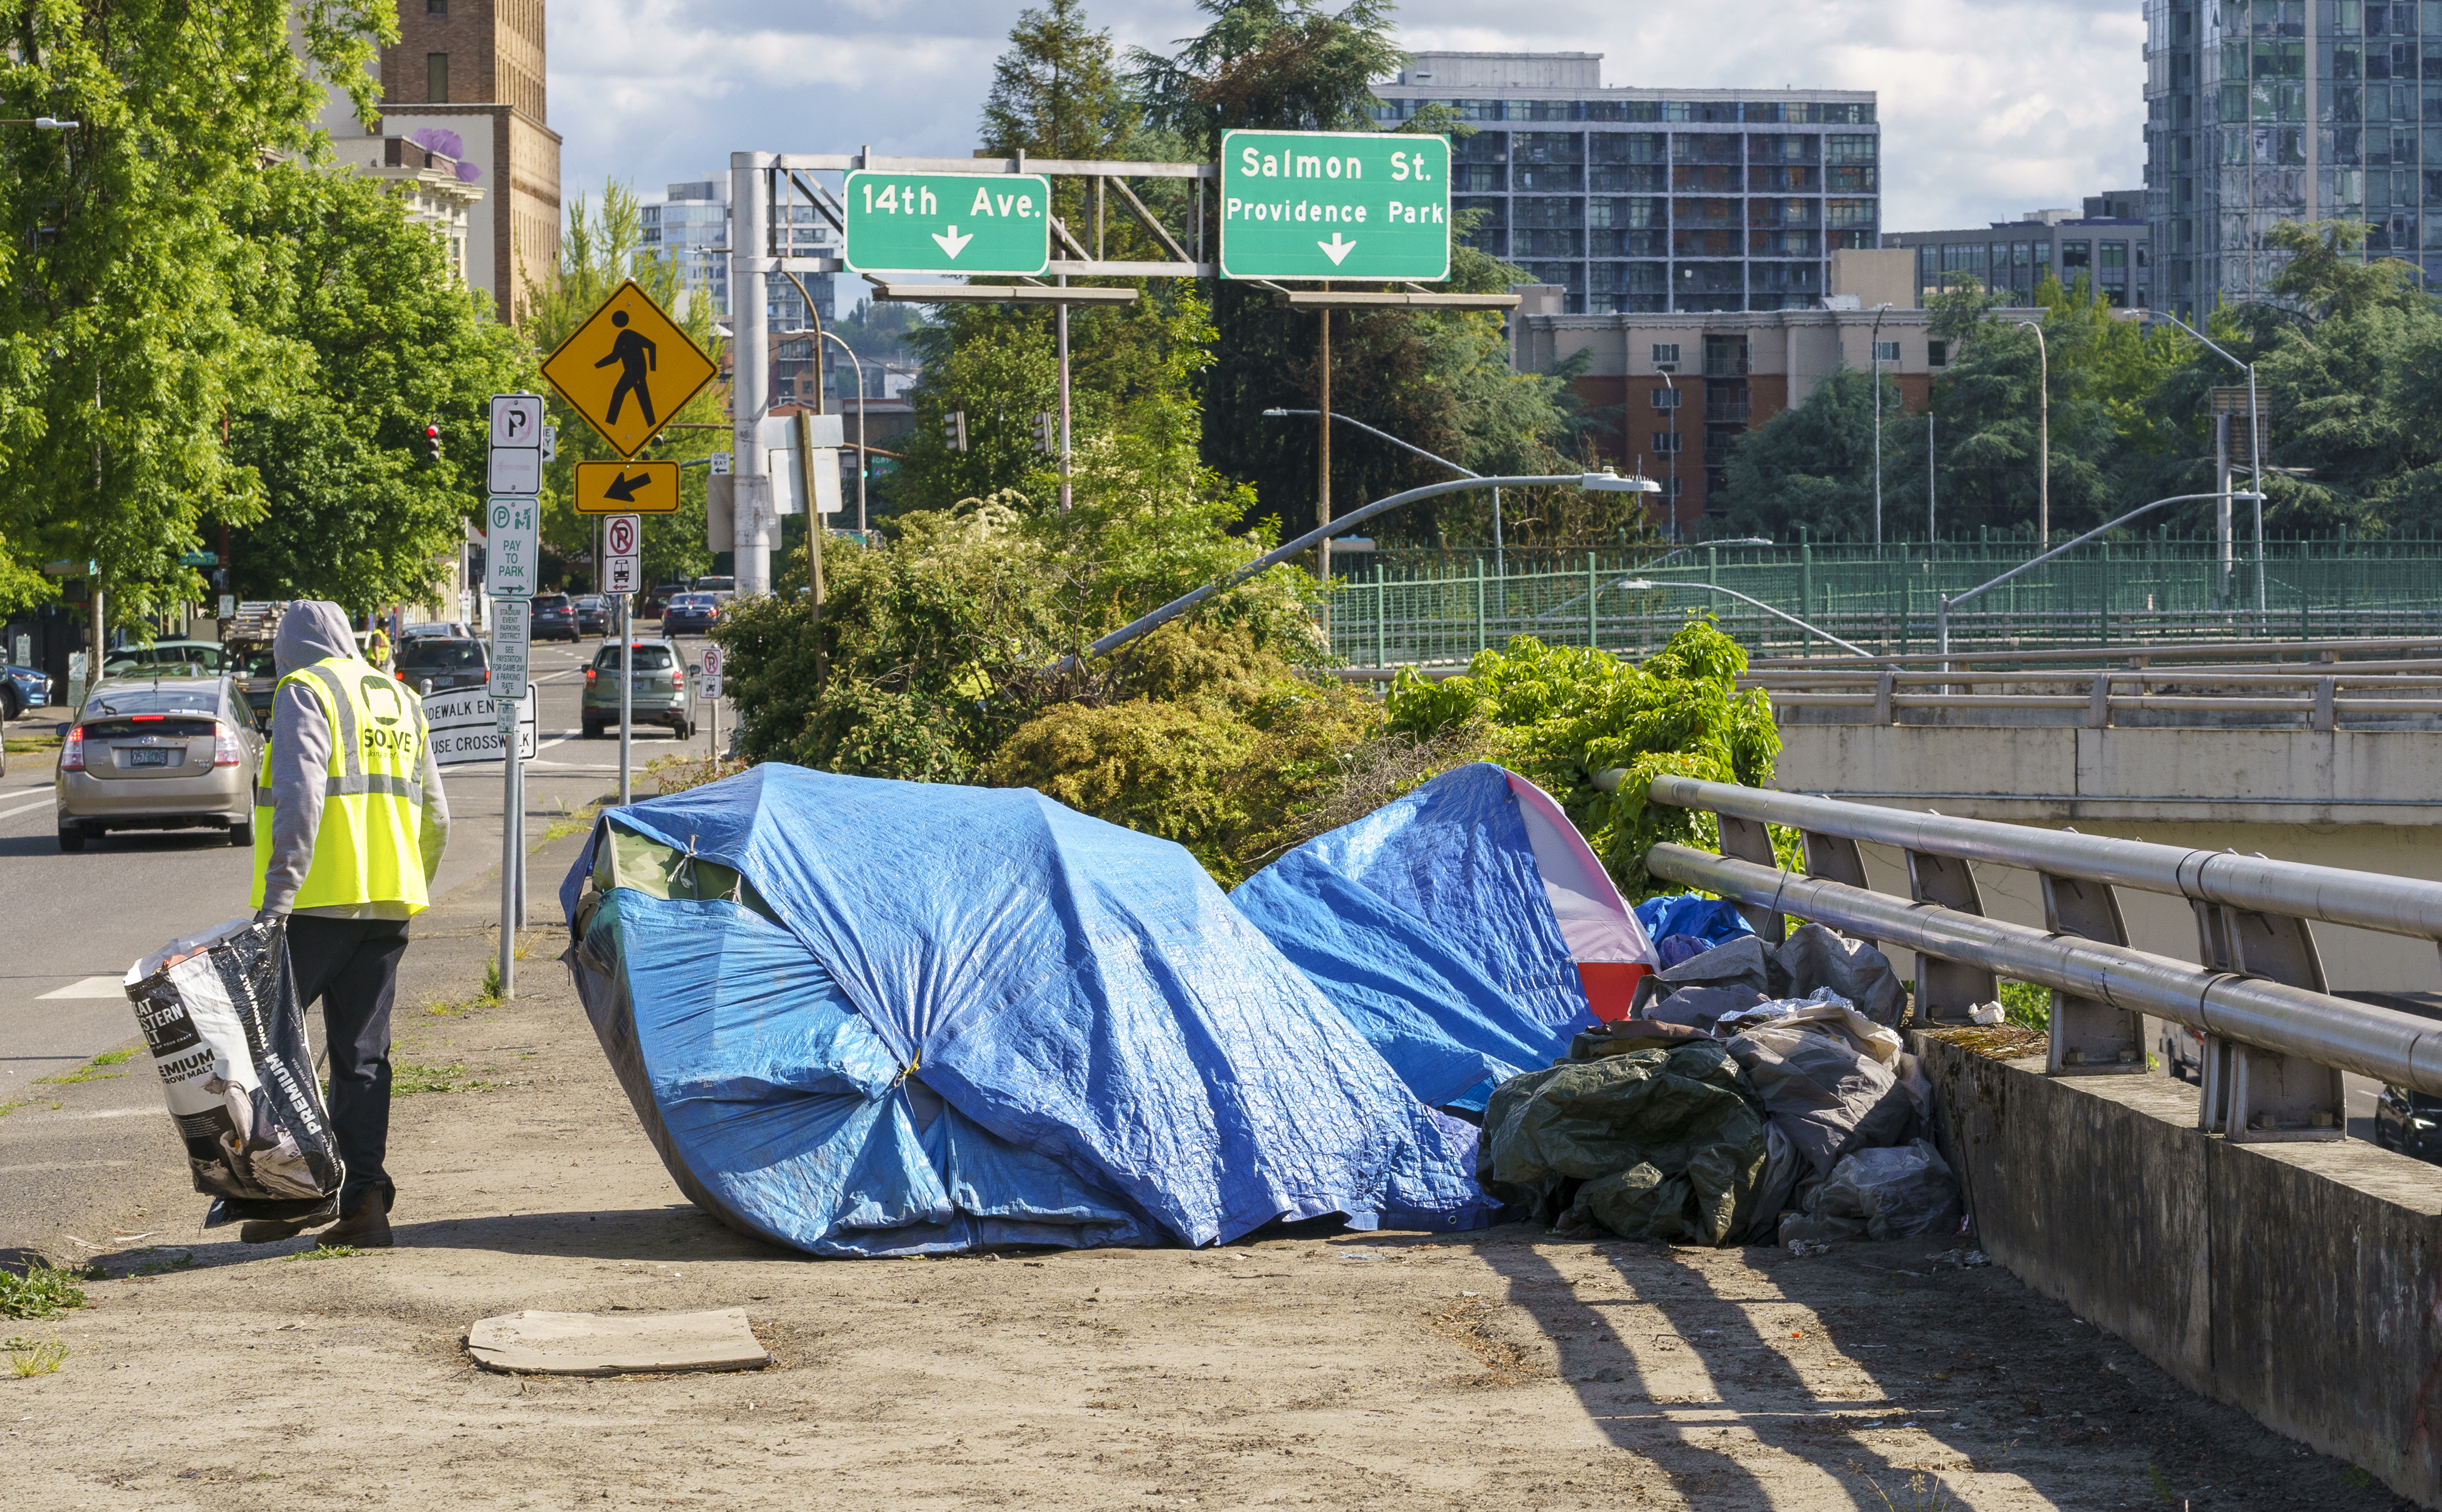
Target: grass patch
(41, 1290)
(570, 822)
(30, 744)
(2027, 1005)
(676, 773)
(93, 1071)
(328, 1253)
(30, 1357)
(184, 1260)
(407, 1080)
(6, 1108)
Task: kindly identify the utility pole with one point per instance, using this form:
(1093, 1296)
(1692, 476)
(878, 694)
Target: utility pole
(1928, 481)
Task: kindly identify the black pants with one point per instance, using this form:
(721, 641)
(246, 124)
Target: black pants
(352, 965)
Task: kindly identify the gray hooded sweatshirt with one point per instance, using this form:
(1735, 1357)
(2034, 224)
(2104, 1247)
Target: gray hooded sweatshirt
(311, 631)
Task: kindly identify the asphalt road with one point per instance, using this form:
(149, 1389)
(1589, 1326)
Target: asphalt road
(72, 924)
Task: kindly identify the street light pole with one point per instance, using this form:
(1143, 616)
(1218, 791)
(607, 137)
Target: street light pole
(1410, 446)
(2254, 452)
(1673, 506)
(2043, 433)
(1639, 584)
(864, 458)
(1874, 365)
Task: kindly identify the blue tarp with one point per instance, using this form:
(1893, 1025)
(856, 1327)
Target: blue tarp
(1427, 923)
(973, 1016)
(1709, 919)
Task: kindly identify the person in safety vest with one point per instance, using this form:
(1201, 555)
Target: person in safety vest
(348, 830)
(377, 648)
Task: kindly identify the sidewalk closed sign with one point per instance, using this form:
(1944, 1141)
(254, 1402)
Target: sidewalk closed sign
(465, 726)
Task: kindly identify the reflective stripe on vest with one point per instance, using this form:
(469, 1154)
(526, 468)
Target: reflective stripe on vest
(369, 847)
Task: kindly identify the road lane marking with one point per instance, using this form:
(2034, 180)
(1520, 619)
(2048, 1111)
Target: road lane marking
(48, 801)
(90, 987)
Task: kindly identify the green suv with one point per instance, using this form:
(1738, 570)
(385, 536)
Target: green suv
(659, 694)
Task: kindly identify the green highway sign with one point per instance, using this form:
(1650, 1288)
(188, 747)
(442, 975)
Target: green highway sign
(1334, 205)
(947, 223)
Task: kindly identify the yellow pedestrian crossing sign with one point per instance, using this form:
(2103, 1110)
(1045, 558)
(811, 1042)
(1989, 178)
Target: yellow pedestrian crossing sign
(628, 368)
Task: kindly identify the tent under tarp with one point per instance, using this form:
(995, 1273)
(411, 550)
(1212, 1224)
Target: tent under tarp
(863, 1017)
(1466, 930)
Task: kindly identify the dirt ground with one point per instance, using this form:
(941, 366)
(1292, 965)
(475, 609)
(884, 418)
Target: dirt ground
(1314, 1367)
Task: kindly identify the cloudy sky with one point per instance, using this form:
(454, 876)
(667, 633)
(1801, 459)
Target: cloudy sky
(1990, 107)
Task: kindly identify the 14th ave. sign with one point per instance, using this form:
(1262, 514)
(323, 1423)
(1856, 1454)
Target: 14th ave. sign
(947, 223)
(1335, 205)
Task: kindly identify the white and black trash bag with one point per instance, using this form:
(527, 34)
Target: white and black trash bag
(227, 1036)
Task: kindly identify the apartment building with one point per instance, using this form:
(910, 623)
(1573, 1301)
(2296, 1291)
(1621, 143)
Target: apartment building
(2264, 111)
(2108, 244)
(1648, 200)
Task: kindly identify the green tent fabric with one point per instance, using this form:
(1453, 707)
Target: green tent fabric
(1658, 1143)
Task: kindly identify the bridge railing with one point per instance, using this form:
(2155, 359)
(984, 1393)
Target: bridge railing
(2275, 1039)
(2387, 690)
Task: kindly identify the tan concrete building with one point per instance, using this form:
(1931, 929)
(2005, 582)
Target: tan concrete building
(473, 70)
(1692, 383)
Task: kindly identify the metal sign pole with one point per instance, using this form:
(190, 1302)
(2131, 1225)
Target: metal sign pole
(510, 836)
(627, 656)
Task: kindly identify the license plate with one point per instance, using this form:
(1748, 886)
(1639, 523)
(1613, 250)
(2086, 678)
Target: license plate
(148, 759)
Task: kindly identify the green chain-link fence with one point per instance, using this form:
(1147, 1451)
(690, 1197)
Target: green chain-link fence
(1430, 606)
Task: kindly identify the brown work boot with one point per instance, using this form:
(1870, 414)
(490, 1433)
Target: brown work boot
(271, 1231)
(368, 1228)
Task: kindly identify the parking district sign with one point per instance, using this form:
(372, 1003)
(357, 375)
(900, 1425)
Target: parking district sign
(1334, 205)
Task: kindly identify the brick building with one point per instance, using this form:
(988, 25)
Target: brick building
(1693, 384)
(469, 74)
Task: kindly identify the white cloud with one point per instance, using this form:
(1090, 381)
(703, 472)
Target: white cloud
(1990, 107)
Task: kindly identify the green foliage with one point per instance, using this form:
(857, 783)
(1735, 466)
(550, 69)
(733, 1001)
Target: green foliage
(1813, 465)
(1565, 715)
(390, 341)
(2026, 1005)
(1285, 65)
(41, 1290)
(123, 347)
(601, 249)
(1057, 92)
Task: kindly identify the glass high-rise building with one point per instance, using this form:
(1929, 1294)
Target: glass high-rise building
(1636, 200)
(2264, 111)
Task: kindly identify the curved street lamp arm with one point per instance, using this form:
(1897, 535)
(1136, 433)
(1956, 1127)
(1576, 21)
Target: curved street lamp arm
(1370, 430)
(2037, 561)
(1642, 584)
(1279, 554)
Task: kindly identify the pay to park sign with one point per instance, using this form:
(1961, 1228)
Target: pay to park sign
(947, 223)
(1334, 205)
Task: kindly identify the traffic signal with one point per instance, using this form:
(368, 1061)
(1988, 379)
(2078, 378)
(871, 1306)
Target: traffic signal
(1047, 432)
(957, 430)
(433, 443)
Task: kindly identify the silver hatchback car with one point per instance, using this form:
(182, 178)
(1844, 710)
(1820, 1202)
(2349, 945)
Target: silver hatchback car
(159, 753)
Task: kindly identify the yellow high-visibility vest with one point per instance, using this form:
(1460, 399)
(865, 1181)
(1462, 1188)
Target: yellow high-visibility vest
(369, 847)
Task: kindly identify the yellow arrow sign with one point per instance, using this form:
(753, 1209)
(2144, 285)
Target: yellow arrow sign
(626, 487)
(628, 368)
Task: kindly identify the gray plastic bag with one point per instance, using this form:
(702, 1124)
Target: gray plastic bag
(1898, 1193)
(1815, 957)
(1823, 1094)
(1738, 963)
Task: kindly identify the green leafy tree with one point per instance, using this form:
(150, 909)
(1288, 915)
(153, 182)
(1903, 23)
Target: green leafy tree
(1813, 464)
(601, 249)
(394, 341)
(122, 352)
(1566, 715)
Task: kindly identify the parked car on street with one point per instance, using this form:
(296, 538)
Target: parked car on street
(690, 612)
(22, 688)
(722, 584)
(553, 618)
(448, 629)
(170, 753)
(594, 614)
(434, 665)
(658, 693)
(657, 598)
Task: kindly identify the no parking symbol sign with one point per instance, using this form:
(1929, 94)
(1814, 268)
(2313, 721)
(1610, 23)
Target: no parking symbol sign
(621, 553)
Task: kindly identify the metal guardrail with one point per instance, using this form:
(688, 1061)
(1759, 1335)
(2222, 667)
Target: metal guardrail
(2275, 1040)
(2382, 689)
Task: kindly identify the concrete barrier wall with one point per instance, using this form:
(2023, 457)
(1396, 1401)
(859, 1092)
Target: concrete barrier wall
(2300, 1283)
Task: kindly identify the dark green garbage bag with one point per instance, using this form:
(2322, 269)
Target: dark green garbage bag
(1658, 1144)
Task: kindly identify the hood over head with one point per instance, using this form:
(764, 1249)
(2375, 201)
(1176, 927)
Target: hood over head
(313, 630)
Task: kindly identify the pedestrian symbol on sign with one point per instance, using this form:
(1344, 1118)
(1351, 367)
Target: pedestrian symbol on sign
(635, 353)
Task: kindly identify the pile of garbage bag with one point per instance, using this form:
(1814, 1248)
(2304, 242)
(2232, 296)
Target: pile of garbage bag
(1758, 1095)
